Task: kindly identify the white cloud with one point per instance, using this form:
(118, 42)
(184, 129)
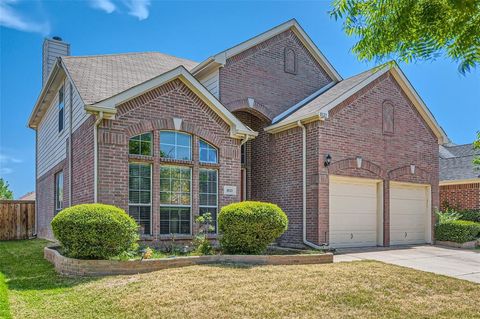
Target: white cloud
(138, 8)
(4, 159)
(106, 5)
(10, 18)
(5, 170)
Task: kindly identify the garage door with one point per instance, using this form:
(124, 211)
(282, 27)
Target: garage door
(409, 214)
(353, 212)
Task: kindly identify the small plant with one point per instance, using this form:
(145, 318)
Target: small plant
(447, 216)
(147, 253)
(201, 242)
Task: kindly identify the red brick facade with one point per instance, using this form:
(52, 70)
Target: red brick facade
(462, 196)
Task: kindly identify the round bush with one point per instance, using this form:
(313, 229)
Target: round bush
(459, 231)
(248, 227)
(95, 231)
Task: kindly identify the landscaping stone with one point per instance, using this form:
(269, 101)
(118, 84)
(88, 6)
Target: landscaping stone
(468, 245)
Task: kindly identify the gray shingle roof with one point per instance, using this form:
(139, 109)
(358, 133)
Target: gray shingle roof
(456, 162)
(102, 76)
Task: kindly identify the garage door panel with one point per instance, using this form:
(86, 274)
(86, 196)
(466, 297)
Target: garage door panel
(353, 212)
(408, 213)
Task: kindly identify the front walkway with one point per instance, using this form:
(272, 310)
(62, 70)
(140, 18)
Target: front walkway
(453, 262)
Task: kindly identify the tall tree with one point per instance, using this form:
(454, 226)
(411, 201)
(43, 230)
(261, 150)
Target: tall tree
(5, 192)
(409, 30)
(476, 146)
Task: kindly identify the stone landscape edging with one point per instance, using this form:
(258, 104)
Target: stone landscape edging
(466, 245)
(81, 267)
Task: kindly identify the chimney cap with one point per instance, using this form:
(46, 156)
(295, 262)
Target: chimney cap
(57, 38)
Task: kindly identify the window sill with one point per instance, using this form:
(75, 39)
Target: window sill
(148, 158)
(177, 237)
(209, 165)
(175, 161)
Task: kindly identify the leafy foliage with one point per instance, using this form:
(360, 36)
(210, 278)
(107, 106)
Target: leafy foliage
(470, 215)
(409, 30)
(5, 192)
(248, 227)
(95, 231)
(447, 216)
(201, 242)
(476, 146)
(459, 231)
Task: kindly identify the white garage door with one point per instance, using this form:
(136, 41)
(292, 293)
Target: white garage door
(353, 212)
(409, 214)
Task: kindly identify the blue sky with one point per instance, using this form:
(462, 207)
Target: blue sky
(193, 30)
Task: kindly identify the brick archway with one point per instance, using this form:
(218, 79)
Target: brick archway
(351, 163)
(252, 107)
(394, 174)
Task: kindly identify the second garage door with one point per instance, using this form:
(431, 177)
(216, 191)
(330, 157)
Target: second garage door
(409, 214)
(354, 212)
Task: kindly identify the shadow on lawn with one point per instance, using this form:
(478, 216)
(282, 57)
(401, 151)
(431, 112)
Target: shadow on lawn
(24, 267)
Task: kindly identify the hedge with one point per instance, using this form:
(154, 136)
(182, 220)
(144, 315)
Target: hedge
(95, 231)
(471, 215)
(459, 231)
(249, 227)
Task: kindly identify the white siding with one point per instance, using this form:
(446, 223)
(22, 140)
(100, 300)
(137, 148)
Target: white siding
(52, 143)
(211, 82)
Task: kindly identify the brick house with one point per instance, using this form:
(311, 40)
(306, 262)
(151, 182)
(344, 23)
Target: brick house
(353, 162)
(459, 179)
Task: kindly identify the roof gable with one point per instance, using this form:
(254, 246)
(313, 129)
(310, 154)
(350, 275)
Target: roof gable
(238, 129)
(220, 59)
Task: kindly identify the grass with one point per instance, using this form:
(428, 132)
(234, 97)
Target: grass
(364, 289)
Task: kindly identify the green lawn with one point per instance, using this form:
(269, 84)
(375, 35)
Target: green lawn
(30, 288)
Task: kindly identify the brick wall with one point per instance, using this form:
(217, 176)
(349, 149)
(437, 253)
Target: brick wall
(463, 196)
(154, 111)
(259, 73)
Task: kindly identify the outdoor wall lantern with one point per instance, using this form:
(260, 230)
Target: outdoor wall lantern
(328, 160)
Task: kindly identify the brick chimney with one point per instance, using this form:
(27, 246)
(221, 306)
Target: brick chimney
(52, 49)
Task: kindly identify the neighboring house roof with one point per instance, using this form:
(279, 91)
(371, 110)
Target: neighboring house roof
(456, 164)
(318, 106)
(28, 196)
(219, 59)
(102, 76)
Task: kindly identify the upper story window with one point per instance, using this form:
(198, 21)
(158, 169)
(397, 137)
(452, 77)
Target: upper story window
(58, 192)
(141, 144)
(290, 61)
(175, 145)
(208, 153)
(61, 111)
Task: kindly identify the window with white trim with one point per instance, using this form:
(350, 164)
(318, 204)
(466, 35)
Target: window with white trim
(58, 192)
(208, 153)
(209, 194)
(175, 145)
(175, 200)
(61, 109)
(140, 195)
(140, 144)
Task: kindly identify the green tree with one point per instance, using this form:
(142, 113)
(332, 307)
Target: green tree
(412, 30)
(5, 192)
(476, 146)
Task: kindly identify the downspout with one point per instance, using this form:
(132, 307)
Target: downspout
(36, 183)
(304, 187)
(95, 155)
(70, 149)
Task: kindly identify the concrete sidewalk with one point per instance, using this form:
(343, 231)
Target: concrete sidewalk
(453, 262)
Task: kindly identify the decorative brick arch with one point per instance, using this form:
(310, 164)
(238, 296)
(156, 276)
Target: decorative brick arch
(257, 109)
(351, 163)
(406, 170)
(168, 124)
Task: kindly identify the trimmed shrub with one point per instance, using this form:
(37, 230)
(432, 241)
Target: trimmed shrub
(471, 215)
(459, 231)
(95, 231)
(249, 227)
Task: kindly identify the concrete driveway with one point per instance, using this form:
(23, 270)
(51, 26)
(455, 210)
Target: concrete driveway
(458, 263)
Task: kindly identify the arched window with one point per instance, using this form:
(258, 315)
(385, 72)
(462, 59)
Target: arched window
(141, 144)
(388, 117)
(290, 61)
(208, 153)
(175, 145)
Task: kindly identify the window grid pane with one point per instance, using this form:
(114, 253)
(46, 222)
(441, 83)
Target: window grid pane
(208, 153)
(175, 220)
(175, 145)
(208, 194)
(141, 214)
(139, 195)
(141, 144)
(175, 185)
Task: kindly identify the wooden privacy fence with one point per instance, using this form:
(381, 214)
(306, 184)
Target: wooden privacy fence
(17, 219)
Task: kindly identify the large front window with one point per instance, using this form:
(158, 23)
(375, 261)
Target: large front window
(208, 153)
(209, 194)
(175, 199)
(140, 144)
(139, 198)
(175, 145)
